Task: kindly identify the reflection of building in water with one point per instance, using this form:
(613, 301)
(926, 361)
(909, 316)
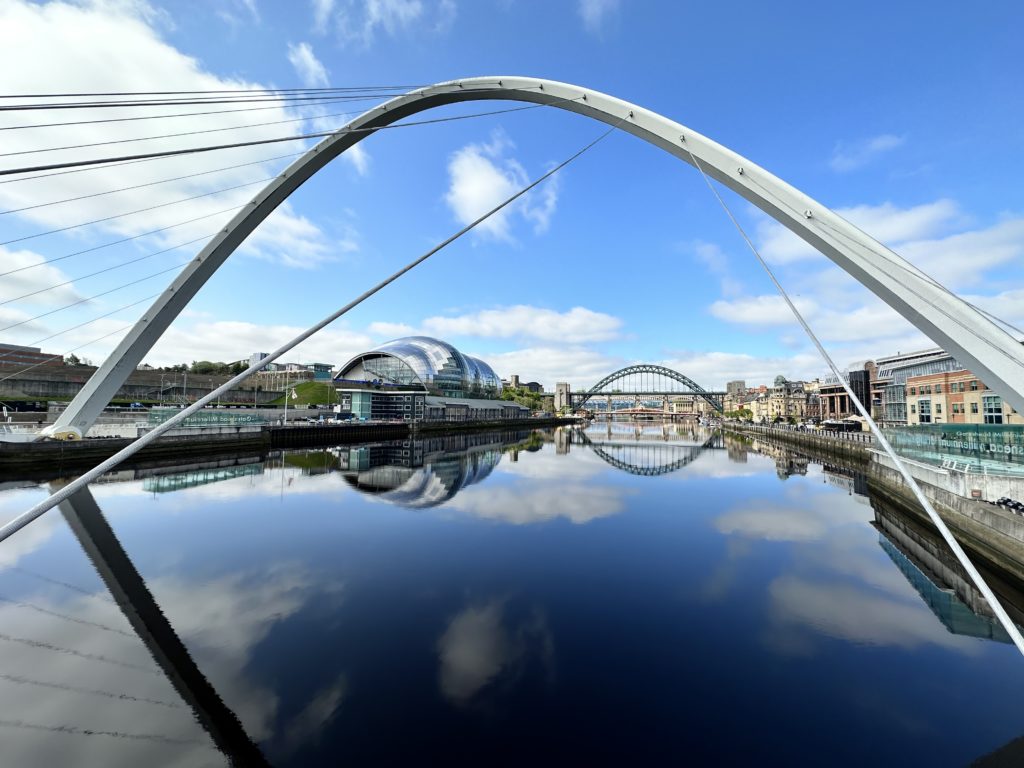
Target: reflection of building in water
(563, 440)
(424, 473)
(854, 483)
(787, 463)
(197, 477)
(934, 572)
(736, 450)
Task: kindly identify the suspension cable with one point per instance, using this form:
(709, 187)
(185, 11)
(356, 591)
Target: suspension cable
(81, 325)
(937, 521)
(258, 142)
(73, 487)
(73, 349)
(199, 92)
(137, 210)
(135, 118)
(147, 184)
(119, 265)
(304, 118)
(133, 104)
(122, 240)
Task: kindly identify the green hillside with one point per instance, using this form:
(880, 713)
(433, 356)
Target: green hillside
(311, 393)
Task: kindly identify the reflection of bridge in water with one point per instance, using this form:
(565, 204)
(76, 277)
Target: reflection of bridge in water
(649, 452)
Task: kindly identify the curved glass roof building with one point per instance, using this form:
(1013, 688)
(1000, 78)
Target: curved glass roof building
(424, 362)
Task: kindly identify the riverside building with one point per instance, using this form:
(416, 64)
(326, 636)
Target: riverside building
(419, 378)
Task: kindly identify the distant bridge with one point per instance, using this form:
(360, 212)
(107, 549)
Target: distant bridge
(645, 382)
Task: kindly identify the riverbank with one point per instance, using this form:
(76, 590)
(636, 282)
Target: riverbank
(60, 456)
(995, 534)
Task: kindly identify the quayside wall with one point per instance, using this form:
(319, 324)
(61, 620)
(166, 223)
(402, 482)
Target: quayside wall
(58, 456)
(994, 533)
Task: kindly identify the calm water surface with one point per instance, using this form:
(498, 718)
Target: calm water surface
(656, 596)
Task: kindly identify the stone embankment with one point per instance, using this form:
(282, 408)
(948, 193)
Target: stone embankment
(960, 498)
(17, 459)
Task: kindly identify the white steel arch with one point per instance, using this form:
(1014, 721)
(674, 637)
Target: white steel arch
(977, 343)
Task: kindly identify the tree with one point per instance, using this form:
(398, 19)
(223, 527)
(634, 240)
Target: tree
(72, 359)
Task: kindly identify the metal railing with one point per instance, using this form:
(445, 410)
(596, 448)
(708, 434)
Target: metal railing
(852, 437)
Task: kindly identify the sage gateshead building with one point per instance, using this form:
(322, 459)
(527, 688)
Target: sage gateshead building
(419, 378)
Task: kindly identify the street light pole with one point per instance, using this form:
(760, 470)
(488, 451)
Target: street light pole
(286, 397)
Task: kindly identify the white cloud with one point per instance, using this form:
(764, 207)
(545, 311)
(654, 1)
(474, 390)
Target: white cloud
(293, 241)
(230, 339)
(359, 158)
(359, 22)
(717, 263)
(578, 365)
(760, 311)
(850, 157)
(391, 330)
(596, 12)
(576, 326)
(481, 177)
(886, 223)
(961, 259)
(321, 14)
(713, 369)
(118, 44)
(39, 277)
(307, 66)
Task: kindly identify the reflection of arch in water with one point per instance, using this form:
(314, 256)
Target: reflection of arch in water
(656, 458)
(427, 486)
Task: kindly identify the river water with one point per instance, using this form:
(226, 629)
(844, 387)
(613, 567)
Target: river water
(656, 595)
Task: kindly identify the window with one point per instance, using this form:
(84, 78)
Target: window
(938, 407)
(938, 389)
(993, 409)
(913, 409)
(913, 390)
(974, 385)
(974, 407)
(924, 415)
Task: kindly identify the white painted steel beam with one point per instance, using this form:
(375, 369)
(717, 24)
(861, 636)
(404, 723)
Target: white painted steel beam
(977, 343)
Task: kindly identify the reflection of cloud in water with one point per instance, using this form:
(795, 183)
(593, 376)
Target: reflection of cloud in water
(477, 649)
(222, 621)
(808, 514)
(308, 725)
(540, 504)
(28, 539)
(857, 615)
(581, 464)
(768, 521)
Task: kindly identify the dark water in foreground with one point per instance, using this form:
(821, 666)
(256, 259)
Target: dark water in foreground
(662, 598)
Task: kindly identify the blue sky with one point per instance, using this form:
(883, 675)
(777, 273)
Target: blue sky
(903, 117)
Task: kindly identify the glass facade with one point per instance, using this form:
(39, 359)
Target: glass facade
(980, 448)
(425, 362)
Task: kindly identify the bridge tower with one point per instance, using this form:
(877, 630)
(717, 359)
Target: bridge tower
(563, 396)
